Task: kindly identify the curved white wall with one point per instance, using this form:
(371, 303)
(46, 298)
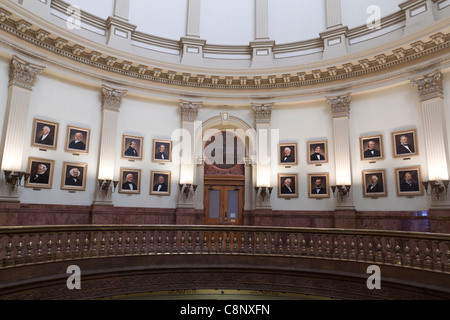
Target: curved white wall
(102, 9)
(356, 13)
(296, 20)
(230, 22)
(160, 18)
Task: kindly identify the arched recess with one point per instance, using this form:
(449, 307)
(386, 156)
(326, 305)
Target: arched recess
(247, 134)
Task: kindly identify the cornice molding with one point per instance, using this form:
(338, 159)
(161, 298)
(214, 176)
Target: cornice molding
(360, 67)
(23, 74)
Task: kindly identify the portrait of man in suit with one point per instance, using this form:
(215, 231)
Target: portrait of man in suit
(41, 173)
(287, 186)
(409, 181)
(131, 151)
(374, 183)
(130, 181)
(160, 183)
(372, 148)
(317, 152)
(45, 134)
(77, 140)
(318, 185)
(132, 147)
(288, 154)
(162, 151)
(405, 143)
(74, 176)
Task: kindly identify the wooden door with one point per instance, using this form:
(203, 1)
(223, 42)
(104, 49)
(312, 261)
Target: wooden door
(224, 204)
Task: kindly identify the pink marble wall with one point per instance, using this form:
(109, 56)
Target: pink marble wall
(17, 214)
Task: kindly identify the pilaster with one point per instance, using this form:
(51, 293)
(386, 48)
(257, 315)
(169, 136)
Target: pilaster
(111, 101)
(431, 94)
(340, 110)
(419, 14)
(22, 78)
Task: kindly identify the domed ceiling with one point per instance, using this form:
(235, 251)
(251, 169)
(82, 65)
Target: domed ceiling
(232, 22)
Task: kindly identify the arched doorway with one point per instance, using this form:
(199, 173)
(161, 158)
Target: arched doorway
(224, 178)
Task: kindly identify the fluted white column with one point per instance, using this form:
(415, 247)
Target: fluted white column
(193, 19)
(111, 100)
(264, 159)
(431, 94)
(335, 37)
(190, 149)
(122, 9)
(341, 136)
(334, 13)
(262, 47)
(22, 77)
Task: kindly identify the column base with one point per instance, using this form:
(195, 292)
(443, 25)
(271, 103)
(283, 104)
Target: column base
(188, 215)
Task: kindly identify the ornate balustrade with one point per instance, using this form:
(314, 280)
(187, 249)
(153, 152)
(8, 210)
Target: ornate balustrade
(21, 246)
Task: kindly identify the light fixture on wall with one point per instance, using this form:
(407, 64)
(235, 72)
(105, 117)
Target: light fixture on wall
(436, 189)
(105, 184)
(262, 191)
(186, 189)
(14, 179)
(341, 191)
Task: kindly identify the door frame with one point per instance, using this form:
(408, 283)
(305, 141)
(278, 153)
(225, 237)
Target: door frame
(223, 182)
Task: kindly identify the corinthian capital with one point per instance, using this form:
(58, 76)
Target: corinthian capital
(23, 74)
(263, 112)
(429, 86)
(112, 98)
(340, 105)
(189, 110)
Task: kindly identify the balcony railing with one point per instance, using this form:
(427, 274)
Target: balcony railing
(35, 245)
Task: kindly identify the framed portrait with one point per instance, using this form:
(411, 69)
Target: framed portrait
(288, 154)
(405, 144)
(77, 140)
(45, 134)
(318, 185)
(41, 173)
(130, 181)
(74, 176)
(372, 148)
(162, 150)
(409, 181)
(317, 152)
(160, 183)
(288, 185)
(374, 183)
(132, 147)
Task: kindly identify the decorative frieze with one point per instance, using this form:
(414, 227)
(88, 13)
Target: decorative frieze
(142, 69)
(189, 110)
(60, 43)
(77, 50)
(429, 86)
(23, 74)
(399, 53)
(94, 56)
(418, 46)
(263, 112)
(438, 38)
(112, 98)
(340, 105)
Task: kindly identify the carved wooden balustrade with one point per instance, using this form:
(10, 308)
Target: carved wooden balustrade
(33, 245)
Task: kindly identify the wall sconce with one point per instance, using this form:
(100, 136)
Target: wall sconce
(263, 191)
(14, 179)
(186, 189)
(105, 184)
(341, 191)
(436, 188)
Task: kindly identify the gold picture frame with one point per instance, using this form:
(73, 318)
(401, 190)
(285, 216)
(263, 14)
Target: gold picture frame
(316, 189)
(77, 140)
(158, 187)
(130, 185)
(45, 134)
(73, 176)
(409, 181)
(372, 148)
(321, 147)
(132, 147)
(41, 173)
(285, 189)
(374, 183)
